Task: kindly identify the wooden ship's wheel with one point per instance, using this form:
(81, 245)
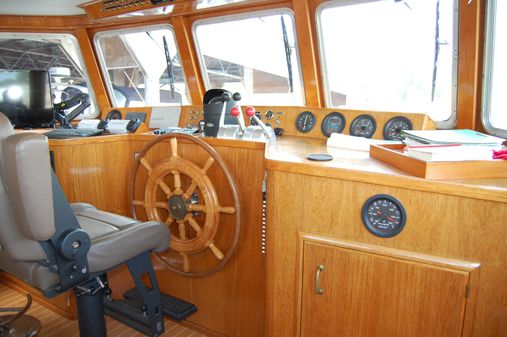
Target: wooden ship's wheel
(177, 190)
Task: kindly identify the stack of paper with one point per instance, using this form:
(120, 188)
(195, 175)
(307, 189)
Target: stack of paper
(464, 136)
(451, 152)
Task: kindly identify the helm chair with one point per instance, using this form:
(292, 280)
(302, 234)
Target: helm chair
(55, 246)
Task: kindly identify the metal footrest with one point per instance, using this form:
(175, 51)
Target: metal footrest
(173, 307)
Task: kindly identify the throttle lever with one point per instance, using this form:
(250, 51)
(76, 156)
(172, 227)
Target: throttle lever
(268, 132)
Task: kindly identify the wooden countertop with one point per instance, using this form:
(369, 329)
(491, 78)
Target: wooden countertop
(289, 154)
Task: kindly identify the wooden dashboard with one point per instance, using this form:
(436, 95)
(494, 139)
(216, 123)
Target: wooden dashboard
(448, 259)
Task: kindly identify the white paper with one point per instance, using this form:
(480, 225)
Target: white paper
(164, 117)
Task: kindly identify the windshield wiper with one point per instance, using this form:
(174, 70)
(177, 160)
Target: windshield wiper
(170, 66)
(288, 53)
(437, 51)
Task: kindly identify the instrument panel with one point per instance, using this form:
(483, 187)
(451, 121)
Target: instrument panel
(322, 122)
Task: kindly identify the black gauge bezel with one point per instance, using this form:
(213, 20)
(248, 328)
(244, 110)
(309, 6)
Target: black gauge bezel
(371, 227)
(393, 120)
(360, 117)
(114, 114)
(312, 115)
(326, 120)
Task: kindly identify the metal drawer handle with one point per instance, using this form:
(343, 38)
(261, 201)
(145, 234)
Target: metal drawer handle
(318, 289)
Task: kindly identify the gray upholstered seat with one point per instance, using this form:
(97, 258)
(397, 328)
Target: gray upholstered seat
(30, 212)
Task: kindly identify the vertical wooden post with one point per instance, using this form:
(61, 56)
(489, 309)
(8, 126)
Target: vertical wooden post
(92, 67)
(308, 51)
(189, 59)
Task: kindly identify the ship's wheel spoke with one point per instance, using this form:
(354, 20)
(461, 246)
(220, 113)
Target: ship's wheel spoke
(177, 182)
(195, 226)
(138, 203)
(169, 220)
(160, 204)
(146, 165)
(218, 254)
(164, 187)
(208, 165)
(197, 208)
(190, 190)
(174, 147)
(227, 210)
(182, 229)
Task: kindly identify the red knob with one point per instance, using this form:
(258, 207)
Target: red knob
(250, 111)
(235, 111)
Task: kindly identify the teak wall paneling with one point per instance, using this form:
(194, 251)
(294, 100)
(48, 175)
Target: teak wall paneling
(95, 171)
(229, 302)
(439, 225)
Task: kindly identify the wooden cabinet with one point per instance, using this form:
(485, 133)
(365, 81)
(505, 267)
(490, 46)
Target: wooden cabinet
(371, 292)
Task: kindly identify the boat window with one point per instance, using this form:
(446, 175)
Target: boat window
(59, 54)
(395, 56)
(254, 55)
(495, 69)
(142, 67)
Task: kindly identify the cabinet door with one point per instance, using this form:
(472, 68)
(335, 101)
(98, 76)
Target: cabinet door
(372, 295)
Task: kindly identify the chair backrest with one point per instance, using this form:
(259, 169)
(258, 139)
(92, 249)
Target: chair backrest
(26, 199)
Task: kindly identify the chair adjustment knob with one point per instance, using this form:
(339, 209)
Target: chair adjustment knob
(74, 244)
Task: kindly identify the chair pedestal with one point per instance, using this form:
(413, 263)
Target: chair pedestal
(90, 309)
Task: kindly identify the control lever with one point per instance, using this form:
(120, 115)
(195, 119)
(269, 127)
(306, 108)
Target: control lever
(236, 112)
(268, 132)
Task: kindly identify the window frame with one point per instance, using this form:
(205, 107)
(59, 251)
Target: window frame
(75, 41)
(444, 124)
(120, 31)
(489, 48)
(236, 17)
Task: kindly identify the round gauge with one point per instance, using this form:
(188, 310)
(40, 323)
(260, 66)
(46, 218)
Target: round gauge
(394, 126)
(269, 114)
(363, 126)
(333, 123)
(383, 215)
(305, 121)
(114, 114)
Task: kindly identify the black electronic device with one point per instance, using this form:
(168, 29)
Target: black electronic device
(25, 98)
(80, 102)
(213, 105)
(134, 124)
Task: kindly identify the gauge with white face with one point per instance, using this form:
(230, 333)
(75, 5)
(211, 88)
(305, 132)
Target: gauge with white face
(363, 126)
(383, 215)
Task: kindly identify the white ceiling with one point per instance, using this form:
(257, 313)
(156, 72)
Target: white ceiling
(41, 7)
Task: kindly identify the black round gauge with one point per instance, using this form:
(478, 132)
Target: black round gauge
(383, 215)
(269, 114)
(332, 123)
(305, 121)
(114, 114)
(363, 126)
(394, 126)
